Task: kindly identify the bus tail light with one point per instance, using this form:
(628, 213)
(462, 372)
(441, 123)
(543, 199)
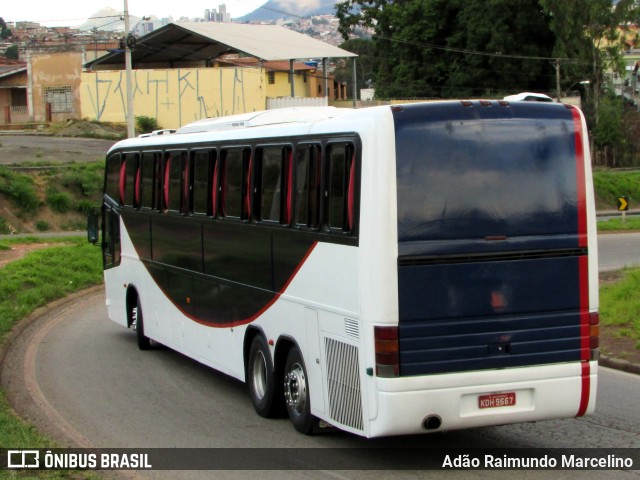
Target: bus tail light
(594, 334)
(387, 352)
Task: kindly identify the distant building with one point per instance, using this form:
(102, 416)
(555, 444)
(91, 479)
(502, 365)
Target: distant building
(219, 15)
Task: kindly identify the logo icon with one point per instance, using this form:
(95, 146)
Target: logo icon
(23, 459)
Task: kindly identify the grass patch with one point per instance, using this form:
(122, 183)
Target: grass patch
(620, 305)
(25, 285)
(631, 223)
(20, 189)
(611, 184)
(45, 275)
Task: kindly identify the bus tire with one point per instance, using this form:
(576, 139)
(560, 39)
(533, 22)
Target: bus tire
(144, 343)
(261, 378)
(296, 392)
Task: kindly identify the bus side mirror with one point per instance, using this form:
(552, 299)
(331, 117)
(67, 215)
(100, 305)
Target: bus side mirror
(93, 228)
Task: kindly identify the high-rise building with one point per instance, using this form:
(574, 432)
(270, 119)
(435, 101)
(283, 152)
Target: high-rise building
(219, 15)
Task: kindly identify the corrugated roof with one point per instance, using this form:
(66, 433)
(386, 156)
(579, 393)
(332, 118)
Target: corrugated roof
(267, 42)
(203, 41)
(9, 70)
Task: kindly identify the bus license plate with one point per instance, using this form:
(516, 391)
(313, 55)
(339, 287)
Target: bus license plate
(497, 400)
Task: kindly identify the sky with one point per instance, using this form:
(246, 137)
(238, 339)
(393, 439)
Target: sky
(75, 12)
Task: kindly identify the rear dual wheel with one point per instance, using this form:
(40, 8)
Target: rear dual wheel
(296, 392)
(267, 391)
(263, 387)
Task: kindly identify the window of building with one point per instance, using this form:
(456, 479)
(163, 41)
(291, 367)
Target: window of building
(272, 78)
(60, 98)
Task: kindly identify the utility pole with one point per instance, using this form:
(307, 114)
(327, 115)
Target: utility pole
(127, 61)
(556, 65)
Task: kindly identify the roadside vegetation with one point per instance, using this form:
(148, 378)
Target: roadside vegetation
(49, 197)
(42, 276)
(620, 315)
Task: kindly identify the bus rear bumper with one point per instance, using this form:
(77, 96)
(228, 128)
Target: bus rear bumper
(502, 401)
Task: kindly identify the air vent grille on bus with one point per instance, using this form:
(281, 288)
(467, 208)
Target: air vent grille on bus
(345, 402)
(351, 328)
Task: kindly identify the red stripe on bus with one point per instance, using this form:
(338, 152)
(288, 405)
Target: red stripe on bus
(351, 192)
(289, 187)
(580, 178)
(586, 389)
(585, 352)
(122, 183)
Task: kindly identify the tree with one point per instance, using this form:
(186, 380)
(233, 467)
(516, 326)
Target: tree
(588, 40)
(365, 63)
(5, 32)
(445, 48)
(12, 52)
(608, 133)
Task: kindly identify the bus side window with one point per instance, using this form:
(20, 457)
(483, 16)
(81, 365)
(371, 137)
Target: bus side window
(341, 186)
(274, 176)
(150, 180)
(307, 187)
(236, 163)
(175, 171)
(112, 177)
(202, 171)
(131, 184)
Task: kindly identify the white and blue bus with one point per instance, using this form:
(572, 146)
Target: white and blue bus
(390, 270)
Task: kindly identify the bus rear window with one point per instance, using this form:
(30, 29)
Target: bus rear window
(486, 178)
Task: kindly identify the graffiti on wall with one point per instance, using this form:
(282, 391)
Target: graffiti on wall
(173, 97)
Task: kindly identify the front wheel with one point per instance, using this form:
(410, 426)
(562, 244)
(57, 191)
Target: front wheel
(144, 343)
(296, 392)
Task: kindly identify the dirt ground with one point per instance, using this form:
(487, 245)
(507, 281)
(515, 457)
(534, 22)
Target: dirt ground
(18, 251)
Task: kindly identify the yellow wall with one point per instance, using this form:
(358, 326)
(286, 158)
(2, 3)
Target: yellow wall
(174, 97)
(282, 87)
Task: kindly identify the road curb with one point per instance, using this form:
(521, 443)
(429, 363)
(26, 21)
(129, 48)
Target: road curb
(617, 364)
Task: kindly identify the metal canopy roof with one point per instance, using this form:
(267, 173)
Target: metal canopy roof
(202, 41)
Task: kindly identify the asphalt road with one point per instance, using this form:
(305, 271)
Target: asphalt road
(82, 379)
(16, 149)
(618, 250)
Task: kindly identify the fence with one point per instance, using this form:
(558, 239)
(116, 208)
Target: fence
(21, 115)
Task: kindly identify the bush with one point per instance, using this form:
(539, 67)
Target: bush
(86, 206)
(59, 201)
(4, 227)
(42, 226)
(146, 124)
(85, 179)
(20, 189)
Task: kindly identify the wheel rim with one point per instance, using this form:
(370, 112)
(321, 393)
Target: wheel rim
(295, 389)
(134, 318)
(259, 375)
